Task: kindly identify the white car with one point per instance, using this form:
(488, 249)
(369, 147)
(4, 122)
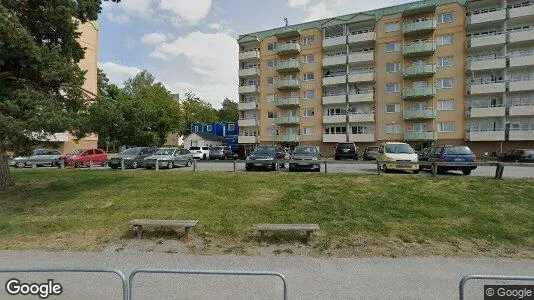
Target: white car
(200, 152)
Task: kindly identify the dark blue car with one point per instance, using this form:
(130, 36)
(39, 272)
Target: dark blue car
(462, 156)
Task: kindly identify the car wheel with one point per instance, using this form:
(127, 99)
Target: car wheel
(19, 165)
(170, 165)
(247, 168)
(78, 164)
(416, 172)
(336, 158)
(104, 164)
(466, 172)
(385, 168)
(114, 167)
(204, 157)
(318, 170)
(135, 165)
(188, 164)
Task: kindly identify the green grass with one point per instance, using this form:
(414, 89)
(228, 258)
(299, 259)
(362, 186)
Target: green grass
(49, 203)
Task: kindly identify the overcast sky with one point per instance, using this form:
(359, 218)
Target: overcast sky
(191, 45)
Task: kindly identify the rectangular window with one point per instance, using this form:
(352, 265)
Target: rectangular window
(392, 67)
(445, 105)
(309, 76)
(393, 128)
(271, 115)
(271, 47)
(392, 108)
(445, 83)
(310, 94)
(271, 80)
(271, 131)
(446, 127)
(271, 64)
(445, 62)
(309, 40)
(309, 131)
(308, 112)
(445, 40)
(391, 27)
(270, 97)
(309, 58)
(208, 128)
(445, 18)
(231, 127)
(392, 88)
(393, 47)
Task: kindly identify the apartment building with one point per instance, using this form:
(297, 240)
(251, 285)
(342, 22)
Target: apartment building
(428, 72)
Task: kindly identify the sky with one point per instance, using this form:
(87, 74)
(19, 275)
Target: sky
(191, 46)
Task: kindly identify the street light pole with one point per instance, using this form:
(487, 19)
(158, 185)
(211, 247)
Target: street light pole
(274, 133)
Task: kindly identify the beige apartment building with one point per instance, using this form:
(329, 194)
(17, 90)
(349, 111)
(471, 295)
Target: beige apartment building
(428, 72)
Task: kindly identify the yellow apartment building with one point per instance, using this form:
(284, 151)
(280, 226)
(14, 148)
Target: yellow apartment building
(427, 72)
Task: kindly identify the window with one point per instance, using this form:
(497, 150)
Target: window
(445, 105)
(445, 18)
(309, 40)
(446, 127)
(271, 131)
(392, 87)
(308, 112)
(208, 128)
(445, 62)
(335, 130)
(309, 131)
(391, 27)
(392, 108)
(445, 40)
(393, 47)
(393, 128)
(309, 94)
(445, 83)
(271, 115)
(271, 64)
(392, 67)
(309, 76)
(309, 58)
(231, 127)
(270, 97)
(271, 47)
(271, 80)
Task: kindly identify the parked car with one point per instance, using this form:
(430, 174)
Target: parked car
(454, 154)
(263, 155)
(518, 155)
(398, 156)
(346, 151)
(169, 158)
(200, 152)
(220, 152)
(41, 157)
(370, 153)
(243, 151)
(306, 154)
(133, 157)
(83, 158)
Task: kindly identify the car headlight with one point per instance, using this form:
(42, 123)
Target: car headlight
(314, 158)
(391, 159)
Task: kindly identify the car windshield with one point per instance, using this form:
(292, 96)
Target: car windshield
(305, 150)
(345, 146)
(131, 151)
(370, 149)
(399, 149)
(165, 152)
(217, 148)
(529, 152)
(41, 152)
(458, 150)
(264, 151)
(77, 151)
(194, 148)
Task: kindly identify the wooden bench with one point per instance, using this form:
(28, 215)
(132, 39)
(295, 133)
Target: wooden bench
(308, 228)
(187, 224)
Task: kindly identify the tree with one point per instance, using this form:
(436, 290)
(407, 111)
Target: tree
(228, 112)
(40, 80)
(195, 110)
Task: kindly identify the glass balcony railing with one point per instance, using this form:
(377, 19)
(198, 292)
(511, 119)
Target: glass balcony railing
(425, 48)
(287, 120)
(420, 70)
(288, 48)
(419, 27)
(287, 102)
(412, 114)
(419, 92)
(288, 137)
(288, 84)
(288, 66)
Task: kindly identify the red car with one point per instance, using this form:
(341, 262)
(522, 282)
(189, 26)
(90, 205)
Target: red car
(82, 158)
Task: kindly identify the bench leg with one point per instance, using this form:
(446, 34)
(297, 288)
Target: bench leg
(308, 237)
(138, 229)
(186, 236)
(262, 234)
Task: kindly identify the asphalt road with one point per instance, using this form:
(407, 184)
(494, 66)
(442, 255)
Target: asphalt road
(308, 278)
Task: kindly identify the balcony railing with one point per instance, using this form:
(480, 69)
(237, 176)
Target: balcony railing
(413, 114)
(288, 66)
(248, 89)
(247, 105)
(288, 120)
(419, 27)
(288, 48)
(249, 55)
(420, 136)
(287, 102)
(288, 138)
(416, 49)
(419, 92)
(288, 84)
(420, 70)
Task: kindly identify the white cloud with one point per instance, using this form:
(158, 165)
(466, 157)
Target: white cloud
(331, 8)
(185, 11)
(153, 38)
(118, 74)
(318, 11)
(297, 3)
(118, 18)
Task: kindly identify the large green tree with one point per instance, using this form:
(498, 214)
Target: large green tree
(40, 80)
(229, 111)
(195, 110)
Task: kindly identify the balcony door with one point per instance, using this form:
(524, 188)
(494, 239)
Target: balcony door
(419, 105)
(420, 127)
(420, 84)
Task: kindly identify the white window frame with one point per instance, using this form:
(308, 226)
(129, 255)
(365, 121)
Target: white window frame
(308, 39)
(304, 131)
(306, 60)
(442, 60)
(441, 126)
(442, 107)
(271, 64)
(306, 111)
(396, 107)
(273, 80)
(396, 89)
(270, 97)
(306, 96)
(396, 67)
(396, 128)
(441, 40)
(271, 45)
(441, 17)
(306, 75)
(395, 45)
(231, 127)
(441, 82)
(395, 25)
(209, 127)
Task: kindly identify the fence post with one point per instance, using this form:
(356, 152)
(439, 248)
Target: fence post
(234, 166)
(91, 165)
(33, 164)
(62, 164)
(122, 164)
(434, 169)
(325, 167)
(499, 170)
(378, 168)
(194, 165)
(157, 165)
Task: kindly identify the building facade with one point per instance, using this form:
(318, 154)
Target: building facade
(428, 72)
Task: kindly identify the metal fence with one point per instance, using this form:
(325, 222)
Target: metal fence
(467, 278)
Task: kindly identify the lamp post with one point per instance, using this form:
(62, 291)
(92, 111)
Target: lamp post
(274, 133)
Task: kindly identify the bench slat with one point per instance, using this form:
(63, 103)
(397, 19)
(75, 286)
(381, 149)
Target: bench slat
(164, 223)
(283, 227)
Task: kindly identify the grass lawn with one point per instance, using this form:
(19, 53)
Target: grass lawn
(83, 210)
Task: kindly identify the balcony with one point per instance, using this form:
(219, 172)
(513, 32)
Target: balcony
(334, 41)
(334, 138)
(487, 40)
(361, 118)
(361, 57)
(420, 70)
(420, 136)
(419, 92)
(521, 36)
(478, 136)
(248, 89)
(249, 55)
(362, 138)
(419, 114)
(247, 123)
(499, 15)
(521, 86)
(334, 99)
(335, 80)
(522, 61)
(288, 138)
(334, 60)
(288, 49)
(521, 135)
(524, 110)
(361, 97)
(247, 106)
(243, 139)
(487, 64)
(419, 49)
(421, 27)
(484, 112)
(288, 32)
(487, 88)
(249, 72)
(362, 38)
(526, 12)
(288, 66)
(334, 119)
(288, 84)
(287, 120)
(362, 77)
(287, 102)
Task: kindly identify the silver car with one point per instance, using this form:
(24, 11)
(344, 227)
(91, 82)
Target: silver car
(169, 158)
(39, 157)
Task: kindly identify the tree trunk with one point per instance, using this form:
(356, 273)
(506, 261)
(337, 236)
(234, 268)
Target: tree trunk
(5, 176)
